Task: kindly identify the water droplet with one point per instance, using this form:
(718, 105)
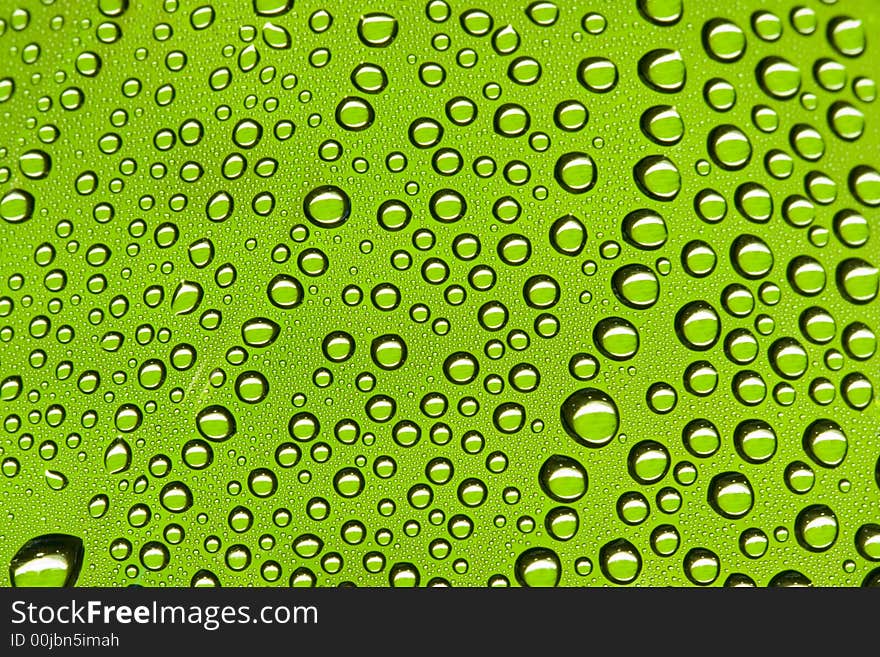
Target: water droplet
(272, 7)
(788, 358)
(657, 177)
(731, 494)
(276, 36)
(575, 172)
(868, 541)
(568, 235)
(538, 567)
(778, 77)
(616, 338)
(259, 332)
(698, 325)
(858, 281)
(701, 438)
(377, 30)
(117, 456)
(847, 35)
(176, 497)
(51, 560)
(751, 257)
(186, 298)
(665, 540)
(661, 12)
(388, 352)
(285, 291)
(701, 566)
(724, 40)
(662, 124)
(648, 462)
(348, 482)
(663, 70)
(755, 441)
(251, 387)
(354, 114)
(35, 164)
(825, 442)
(154, 555)
(816, 528)
(859, 341)
(597, 74)
(636, 286)
(846, 121)
(620, 561)
(216, 423)
(788, 579)
(17, 206)
(590, 416)
(729, 147)
(563, 478)
(644, 229)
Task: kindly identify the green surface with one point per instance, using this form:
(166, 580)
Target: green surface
(575, 293)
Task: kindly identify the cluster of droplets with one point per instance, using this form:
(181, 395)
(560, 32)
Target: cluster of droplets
(290, 319)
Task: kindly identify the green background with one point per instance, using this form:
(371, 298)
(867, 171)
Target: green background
(359, 253)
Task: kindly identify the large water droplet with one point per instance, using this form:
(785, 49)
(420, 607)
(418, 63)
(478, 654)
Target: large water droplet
(778, 77)
(825, 442)
(568, 235)
(663, 125)
(701, 566)
(186, 298)
(590, 416)
(575, 172)
(658, 177)
(858, 281)
(648, 462)
(51, 560)
(117, 456)
(538, 567)
(259, 332)
(377, 30)
(724, 40)
(216, 423)
(620, 561)
(755, 441)
(327, 206)
(645, 229)
(731, 494)
(751, 256)
(661, 12)
(636, 286)
(17, 206)
(663, 70)
(616, 338)
(729, 147)
(816, 528)
(597, 74)
(698, 325)
(563, 478)
(847, 35)
(272, 7)
(285, 291)
(176, 497)
(35, 164)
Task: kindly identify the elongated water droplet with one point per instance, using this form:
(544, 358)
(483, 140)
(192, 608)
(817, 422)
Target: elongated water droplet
(51, 560)
(186, 298)
(117, 456)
